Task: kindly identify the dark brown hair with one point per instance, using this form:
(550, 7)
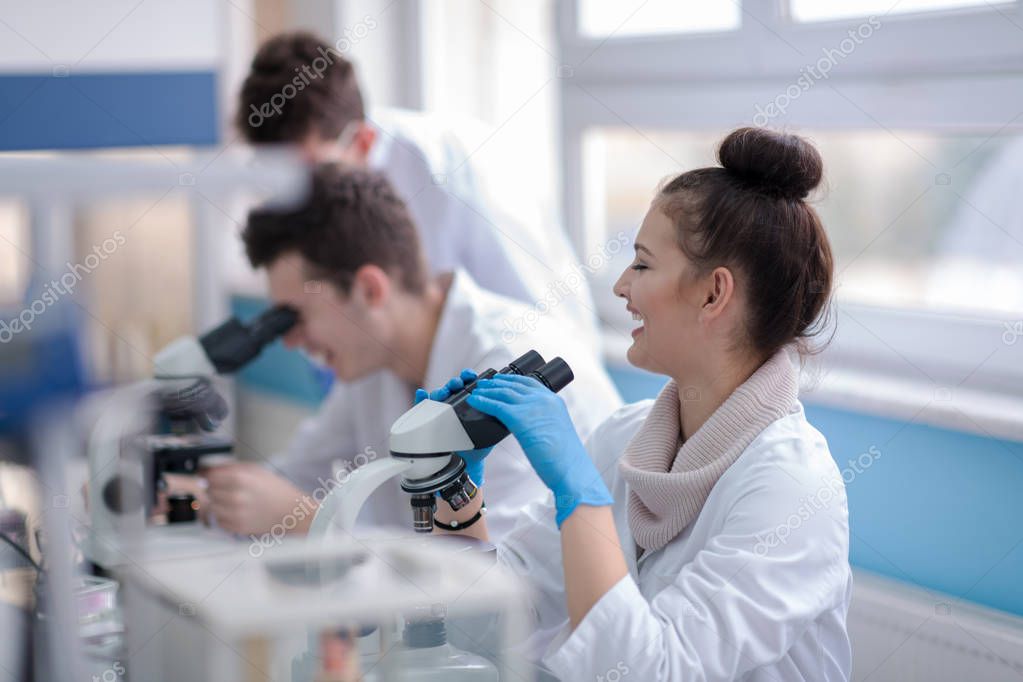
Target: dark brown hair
(298, 84)
(351, 218)
(751, 214)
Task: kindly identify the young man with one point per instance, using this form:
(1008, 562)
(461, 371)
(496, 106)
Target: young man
(470, 214)
(350, 263)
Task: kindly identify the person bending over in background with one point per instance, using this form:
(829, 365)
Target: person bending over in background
(470, 213)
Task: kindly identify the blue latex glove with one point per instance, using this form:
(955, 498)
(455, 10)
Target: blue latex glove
(473, 458)
(539, 420)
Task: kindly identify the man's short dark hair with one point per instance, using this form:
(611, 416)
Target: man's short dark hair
(352, 217)
(298, 84)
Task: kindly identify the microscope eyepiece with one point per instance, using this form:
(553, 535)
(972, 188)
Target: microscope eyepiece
(555, 375)
(272, 323)
(524, 364)
(233, 344)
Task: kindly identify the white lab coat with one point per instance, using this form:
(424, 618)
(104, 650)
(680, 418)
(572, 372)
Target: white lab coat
(354, 421)
(756, 588)
(479, 217)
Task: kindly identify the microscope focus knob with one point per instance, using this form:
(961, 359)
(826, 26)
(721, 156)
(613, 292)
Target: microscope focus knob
(122, 495)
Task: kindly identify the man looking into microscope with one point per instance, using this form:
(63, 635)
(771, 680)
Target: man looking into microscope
(350, 263)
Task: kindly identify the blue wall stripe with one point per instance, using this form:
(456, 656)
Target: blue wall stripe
(938, 508)
(108, 110)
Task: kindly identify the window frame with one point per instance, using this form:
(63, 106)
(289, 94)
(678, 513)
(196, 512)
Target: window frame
(648, 82)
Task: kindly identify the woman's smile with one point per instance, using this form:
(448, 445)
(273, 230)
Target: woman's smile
(638, 318)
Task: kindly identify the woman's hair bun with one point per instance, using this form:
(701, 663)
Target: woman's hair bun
(779, 164)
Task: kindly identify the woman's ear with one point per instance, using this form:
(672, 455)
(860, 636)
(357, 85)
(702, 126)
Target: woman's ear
(718, 292)
(371, 286)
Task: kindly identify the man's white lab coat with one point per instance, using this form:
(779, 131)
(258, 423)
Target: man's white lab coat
(479, 217)
(354, 421)
(757, 588)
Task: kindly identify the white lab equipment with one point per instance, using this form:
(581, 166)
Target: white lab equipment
(121, 483)
(427, 656)
(51, 187)
(423, 445)
(244, 615)
(126, 463)
(127, 460)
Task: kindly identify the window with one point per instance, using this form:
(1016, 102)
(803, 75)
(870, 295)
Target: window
(903, 234)
(463, 46)
(135, 259)
(923, 150)
(814, 10)
(15, 251)
(599, 18)
(121, 260)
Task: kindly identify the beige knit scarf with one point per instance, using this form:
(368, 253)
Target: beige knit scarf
(669, 480)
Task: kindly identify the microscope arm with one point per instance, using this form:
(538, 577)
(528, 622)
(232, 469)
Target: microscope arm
(429, 422)
(341, 506)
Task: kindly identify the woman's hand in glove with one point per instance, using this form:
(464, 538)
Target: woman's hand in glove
(540, 422)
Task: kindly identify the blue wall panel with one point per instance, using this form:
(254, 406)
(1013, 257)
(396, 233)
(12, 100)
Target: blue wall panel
(938, 508)
(107, 110)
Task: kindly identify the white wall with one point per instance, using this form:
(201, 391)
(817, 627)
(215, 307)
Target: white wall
(121, 35)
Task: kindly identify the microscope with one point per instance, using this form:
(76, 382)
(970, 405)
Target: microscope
(189, 406)
(165, 425)
(423, 445)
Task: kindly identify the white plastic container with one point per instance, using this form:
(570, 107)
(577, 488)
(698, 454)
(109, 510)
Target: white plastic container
(426, 656)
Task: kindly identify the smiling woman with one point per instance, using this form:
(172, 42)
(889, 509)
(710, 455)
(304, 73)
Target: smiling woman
(742, 231)
(660, 519)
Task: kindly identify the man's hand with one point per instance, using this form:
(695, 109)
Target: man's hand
(249, 499)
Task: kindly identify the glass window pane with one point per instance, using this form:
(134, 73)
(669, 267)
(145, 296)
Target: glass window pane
(15, 256)
(135, 254)
(599, 18)
(916, 219)
(815, 10)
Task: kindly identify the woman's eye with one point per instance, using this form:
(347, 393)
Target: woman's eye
(638, 266)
